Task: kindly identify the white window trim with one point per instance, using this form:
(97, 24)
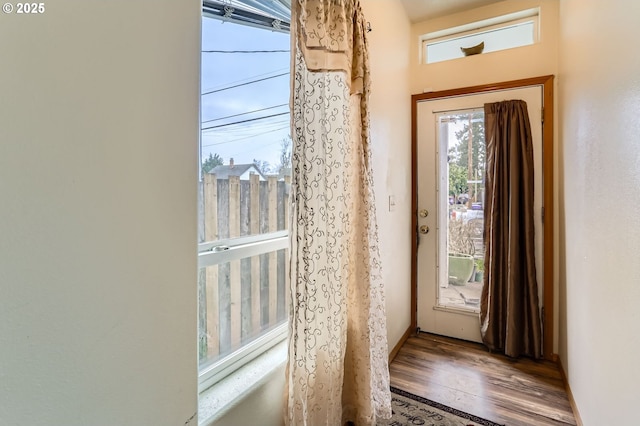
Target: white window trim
(210, 245)
(222, 251)
(217, 371)
(485, 30)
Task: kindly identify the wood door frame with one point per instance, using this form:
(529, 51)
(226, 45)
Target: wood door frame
(546, 82)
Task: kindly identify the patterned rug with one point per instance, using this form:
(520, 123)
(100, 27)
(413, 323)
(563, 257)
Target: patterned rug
(409, 409)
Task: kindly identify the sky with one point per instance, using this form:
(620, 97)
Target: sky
(257, 139)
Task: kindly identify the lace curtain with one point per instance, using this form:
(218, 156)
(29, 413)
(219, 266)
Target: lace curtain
(337, 369)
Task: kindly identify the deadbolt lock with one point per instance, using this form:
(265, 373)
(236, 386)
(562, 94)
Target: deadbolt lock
(424, 229)
(424, 213)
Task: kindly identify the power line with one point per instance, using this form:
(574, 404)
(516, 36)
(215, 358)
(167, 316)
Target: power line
(247, 127)
(237, 131)
(243, 113)
(245, 51)
(242, 80)
(244, 121)
(244, 84)
(246, 137)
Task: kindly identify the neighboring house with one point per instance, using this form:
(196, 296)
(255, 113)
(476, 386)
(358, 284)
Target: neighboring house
(244, 171)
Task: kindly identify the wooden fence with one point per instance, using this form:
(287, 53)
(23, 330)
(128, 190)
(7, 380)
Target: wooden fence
(242, 298)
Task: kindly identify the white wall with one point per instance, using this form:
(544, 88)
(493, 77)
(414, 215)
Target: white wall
(98, 164)
(600, 215)
(391, 155)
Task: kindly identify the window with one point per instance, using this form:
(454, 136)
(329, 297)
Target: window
(243, 189)
(501, 33)
(461, 204)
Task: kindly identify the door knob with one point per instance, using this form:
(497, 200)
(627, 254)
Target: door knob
(424, 229)
(424, 213)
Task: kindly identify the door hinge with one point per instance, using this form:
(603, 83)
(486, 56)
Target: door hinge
(542, 214)
(542, 114)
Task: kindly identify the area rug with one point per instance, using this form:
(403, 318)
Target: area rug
(409, 409)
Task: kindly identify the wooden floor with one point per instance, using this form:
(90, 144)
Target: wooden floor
(467, 377)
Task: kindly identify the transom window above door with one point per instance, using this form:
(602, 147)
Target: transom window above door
(489, 35)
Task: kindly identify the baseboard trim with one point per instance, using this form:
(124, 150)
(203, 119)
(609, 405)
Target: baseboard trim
(572, 401)
(398, 345)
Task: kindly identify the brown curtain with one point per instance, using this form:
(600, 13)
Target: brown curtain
(509, 311)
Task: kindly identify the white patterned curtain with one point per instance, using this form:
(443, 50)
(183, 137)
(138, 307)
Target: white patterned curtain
(338, 358)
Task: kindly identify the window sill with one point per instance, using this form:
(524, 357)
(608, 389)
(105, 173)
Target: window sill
(220, 398)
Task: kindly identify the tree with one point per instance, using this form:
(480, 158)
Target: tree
(470, 138)
(460, 152)
(212, 162)
(284, 160)
(457, 181)
(263, 166)
(285, 154)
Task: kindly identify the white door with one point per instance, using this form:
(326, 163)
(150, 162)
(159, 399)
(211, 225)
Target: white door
(450, 207)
